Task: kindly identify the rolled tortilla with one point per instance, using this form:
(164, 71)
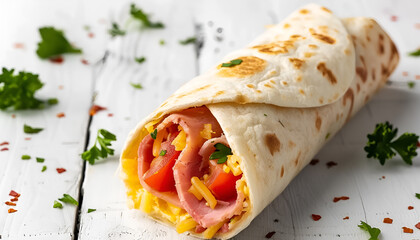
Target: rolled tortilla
(296, 86)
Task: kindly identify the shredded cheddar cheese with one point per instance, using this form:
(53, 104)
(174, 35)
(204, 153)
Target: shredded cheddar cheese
(180, 141)
(209, 232)
(157, 143)
(206, 132)
(233, 164)
(146, 202)
(226, 169)
(204, 191)
(196, 193)
(186, 225)
(150, 125)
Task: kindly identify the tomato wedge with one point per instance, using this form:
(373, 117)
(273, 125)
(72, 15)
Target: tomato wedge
(160, 175)
(220, 183)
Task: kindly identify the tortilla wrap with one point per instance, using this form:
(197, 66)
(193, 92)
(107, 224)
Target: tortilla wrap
(296, 86)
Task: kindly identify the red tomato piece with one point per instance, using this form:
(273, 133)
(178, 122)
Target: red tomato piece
(222, 184)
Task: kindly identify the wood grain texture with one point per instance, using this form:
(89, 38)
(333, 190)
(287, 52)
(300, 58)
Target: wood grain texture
(221, 26)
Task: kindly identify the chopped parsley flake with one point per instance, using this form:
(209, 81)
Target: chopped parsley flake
(30, 130)
(232, 63)
(154, 134)
(162, 153)
(221, 153)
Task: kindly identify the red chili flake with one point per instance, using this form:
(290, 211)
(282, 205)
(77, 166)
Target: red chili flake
(417, 25)
(336, 199)
(95, 108)
(331, 164)
(417, 77)
(61, 170)
(316, 217)
(394, 18)
(407, 230)
(91, 35)
(388, 220)
(417, 225)
(383, 177)
(410, 207)
(28, 138)
(84, 61)
(269, 235)
(346, 218)
(110, 114)
(314, 162)
(61, 87)
(13, 115)
(10, 204)
(19, 45)
(15, 199)
(14, 194)
(58, 59)
(4, 149)
(418, 144)
(276, 220)
(11, 210)
(405, 74)
(4, 143)
(60, 115)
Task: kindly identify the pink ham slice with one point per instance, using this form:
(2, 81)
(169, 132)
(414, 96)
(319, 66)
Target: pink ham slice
(193, 161)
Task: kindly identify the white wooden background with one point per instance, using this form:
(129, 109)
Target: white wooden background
(221, 26)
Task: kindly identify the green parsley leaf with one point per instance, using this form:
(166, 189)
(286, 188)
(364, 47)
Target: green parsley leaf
(415, 53)
(221, 153)
(136, 85)
(381, 147)
(57, 204)
(53, 43)
(232, 63)
(327, 136)
(418, 195)
(91, 210)
(115, 30)
(411, 84)
(140, 59)
(138, 14)
(162, 153)
(68, 199)
(162, 42)
(52, 101)
(104, 138)
(40, 160)
(26, 157)
(265, 115)
(18, 91)
(154, 134)
(188, 41)
(44, 168)
(30, 130)
(373, 232)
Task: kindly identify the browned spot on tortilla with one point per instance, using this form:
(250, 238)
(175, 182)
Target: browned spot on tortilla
(299, 78)
(241, 99)
(258, 91)
(384, 71)
(326, 9)
(272, 143)
(291, 144)
(278, 47)
(282, 171)
(297, 158)
(313, 46)
(297, 63)
(318, 122)
(250, 85)
(337, 117)
(367, 38)
(296, 36)
(268, 85)
(326, 73)
(366, 98)
(304, 11)
(373, 74)
(286, 25)
(301, 91)
(362, 59)
(354, 38)
(381, 37)
(250, 65)
(323, 29)
(361, 71)
(219, 93)
(272, 81)
(284, 83)
(193, 91)
(308, 54)
(322, 37)
(394, 52)
(358, 88)
(347, 51)
(381, 48)
(348, 95)
(321, 100)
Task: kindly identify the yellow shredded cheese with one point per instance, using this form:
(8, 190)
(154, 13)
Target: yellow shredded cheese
(146, 202)
(180, 141)
(150, 125)
(196, 193)
(158, 142)
(226, 168)
(206, 132)
(204, 191)
(205, 177)
(233, 164)
(209, 232)
(186, 225)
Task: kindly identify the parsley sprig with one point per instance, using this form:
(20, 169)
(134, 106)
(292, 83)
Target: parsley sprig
(138, 14)
(232, 63)
(373, 232)
(53, 43)
(30, 130)
(415, 53)
(381, 146)
(221, 153)
(104, 138)
(116, 30)
(189, 40)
